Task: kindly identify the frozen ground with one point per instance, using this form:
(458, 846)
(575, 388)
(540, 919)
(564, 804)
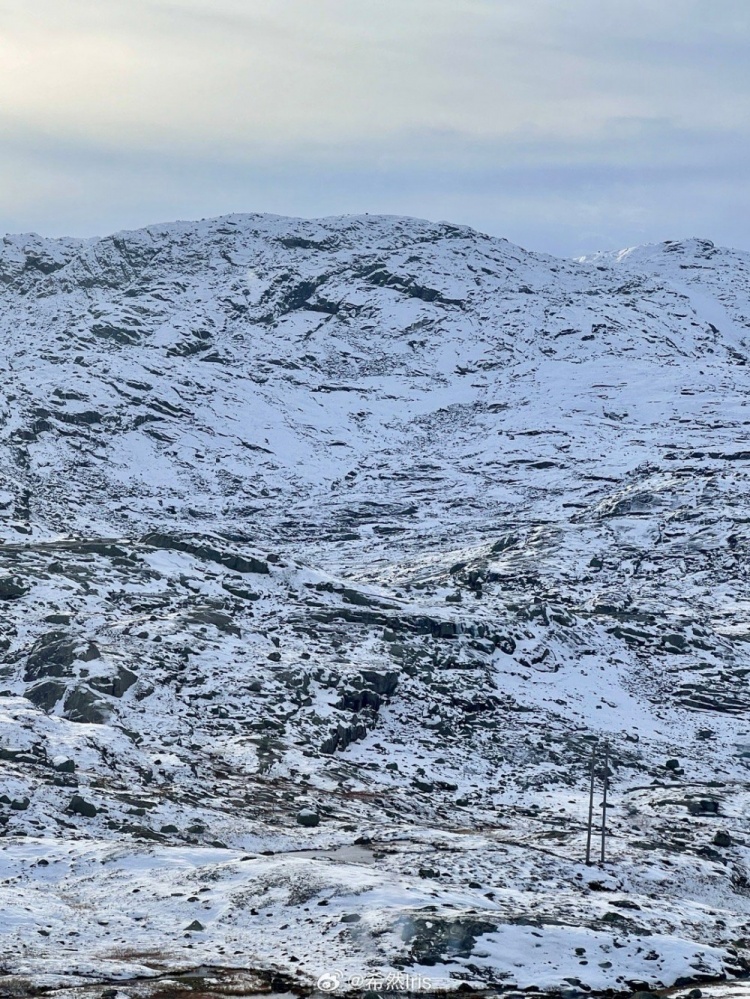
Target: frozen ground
(329, 550)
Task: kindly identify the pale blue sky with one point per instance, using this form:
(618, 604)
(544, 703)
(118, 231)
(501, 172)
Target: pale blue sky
(564, 125)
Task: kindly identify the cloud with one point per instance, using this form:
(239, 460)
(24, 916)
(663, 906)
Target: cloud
(118, 113)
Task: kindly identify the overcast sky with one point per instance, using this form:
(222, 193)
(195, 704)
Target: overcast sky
(564, 125)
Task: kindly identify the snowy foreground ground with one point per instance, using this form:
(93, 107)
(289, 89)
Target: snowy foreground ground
(328, 552)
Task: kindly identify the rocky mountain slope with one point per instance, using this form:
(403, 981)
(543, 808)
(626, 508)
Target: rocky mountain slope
(329, 550)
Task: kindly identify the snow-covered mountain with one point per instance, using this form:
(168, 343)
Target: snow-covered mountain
(329, 549)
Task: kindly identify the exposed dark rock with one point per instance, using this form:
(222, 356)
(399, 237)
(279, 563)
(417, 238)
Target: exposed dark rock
(117, 685)
(12, 589)
(47, 693)
(308, 817)
(218, 619)
(51, 655)
(83, 705)
(79, 806)
(703, 806)
(236, 563)
(433, 940)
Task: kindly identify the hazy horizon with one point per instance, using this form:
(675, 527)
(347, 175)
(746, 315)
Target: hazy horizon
(564, 130)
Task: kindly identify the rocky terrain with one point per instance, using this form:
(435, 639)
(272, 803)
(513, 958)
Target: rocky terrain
(329, 550)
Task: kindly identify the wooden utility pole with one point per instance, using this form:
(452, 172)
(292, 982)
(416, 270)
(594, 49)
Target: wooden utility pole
(591, 805)
(604, 796)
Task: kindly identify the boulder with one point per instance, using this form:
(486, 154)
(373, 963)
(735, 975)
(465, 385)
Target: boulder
(84, 706)
(117, 685)
(308, 817)
(12, 589)
(79, 806)
(51, 655)
(703, 806)
(47, 693)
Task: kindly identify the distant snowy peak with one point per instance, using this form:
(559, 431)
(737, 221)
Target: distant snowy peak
(695, 247)
(682, 254)
(237, 246)
(34, 264)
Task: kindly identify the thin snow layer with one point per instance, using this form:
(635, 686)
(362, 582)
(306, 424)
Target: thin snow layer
(330, 550)
(135, 910)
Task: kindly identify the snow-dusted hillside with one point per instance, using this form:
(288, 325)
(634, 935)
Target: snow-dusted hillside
(350, 537)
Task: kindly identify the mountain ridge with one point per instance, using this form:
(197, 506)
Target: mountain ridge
(356, 535)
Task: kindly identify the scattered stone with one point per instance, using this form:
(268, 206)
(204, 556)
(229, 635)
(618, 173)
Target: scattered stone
(12, 589)
(704, 806)
(308, 817)
(46, 694)
(117, 685)
(430, 937)
(52, 655)
(423, 785)
(84, 706)
(79, 806)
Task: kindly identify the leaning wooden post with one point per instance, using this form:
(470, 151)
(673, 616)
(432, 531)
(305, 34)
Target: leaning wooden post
(591, 805)
(604, 797)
